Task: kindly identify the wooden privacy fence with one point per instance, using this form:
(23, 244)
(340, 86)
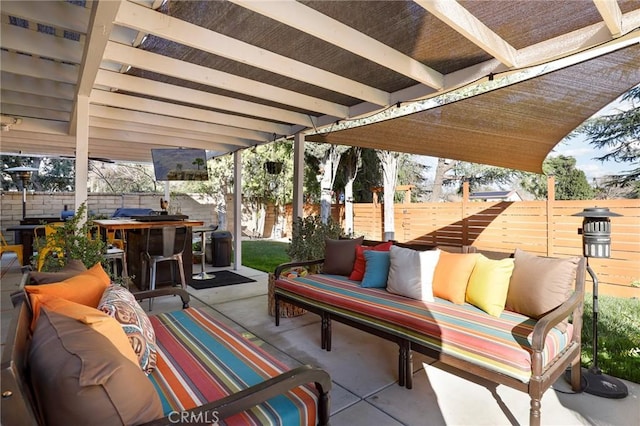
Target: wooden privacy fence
(543, 227)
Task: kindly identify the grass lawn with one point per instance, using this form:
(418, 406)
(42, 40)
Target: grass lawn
(618, 318)
(264, 255)
(618, 336)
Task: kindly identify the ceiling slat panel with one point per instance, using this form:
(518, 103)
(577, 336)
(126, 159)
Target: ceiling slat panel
(59, 14)
(176, 123)
(305, 19)
(37, 68)
(187, 71)
(196, 97)
(141, 18)
(172, 110)
(40, 44)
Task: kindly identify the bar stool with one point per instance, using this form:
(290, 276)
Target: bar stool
(169, 250)
(114, 255)
(203, 252)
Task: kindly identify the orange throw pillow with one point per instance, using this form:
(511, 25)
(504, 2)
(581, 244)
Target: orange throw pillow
(360, 264)
(85, 288)
(452, 276)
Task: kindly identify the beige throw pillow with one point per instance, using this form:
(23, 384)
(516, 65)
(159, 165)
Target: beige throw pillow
(540, 284)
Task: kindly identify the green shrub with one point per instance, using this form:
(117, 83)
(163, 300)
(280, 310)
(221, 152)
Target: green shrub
(308, 235)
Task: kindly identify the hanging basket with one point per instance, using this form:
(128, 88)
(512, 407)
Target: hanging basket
(273, 167)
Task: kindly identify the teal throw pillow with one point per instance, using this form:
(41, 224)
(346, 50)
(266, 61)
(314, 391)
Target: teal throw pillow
(376, 269)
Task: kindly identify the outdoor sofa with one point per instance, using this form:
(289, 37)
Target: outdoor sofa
(527, 345)
(69, 367)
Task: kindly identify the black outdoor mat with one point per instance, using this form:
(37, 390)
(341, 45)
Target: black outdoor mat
(222, 278)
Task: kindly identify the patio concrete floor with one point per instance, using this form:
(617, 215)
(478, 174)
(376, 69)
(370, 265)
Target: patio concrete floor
(363, 368)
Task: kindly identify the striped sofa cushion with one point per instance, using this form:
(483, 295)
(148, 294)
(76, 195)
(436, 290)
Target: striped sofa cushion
(500, 344)
(201, 360)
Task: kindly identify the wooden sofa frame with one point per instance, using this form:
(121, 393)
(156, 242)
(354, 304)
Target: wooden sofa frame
(541, 378)
(19, 406)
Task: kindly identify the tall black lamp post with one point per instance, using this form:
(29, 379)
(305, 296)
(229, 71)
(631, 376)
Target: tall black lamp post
(596, 242)
(23, 173)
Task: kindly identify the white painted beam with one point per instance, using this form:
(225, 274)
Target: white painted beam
(37, 101)
(35, 67)
(183, 94)
(611, 14)
(37, 86)
(310, 21)
(161, 25)
(146, 138)
(119, 114)
(127, 126)
(33, 112)
(40, 44)
(203, 75)
(100, 26)
(180, 111)
(457, 17)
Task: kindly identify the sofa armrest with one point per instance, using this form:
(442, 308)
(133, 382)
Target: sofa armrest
(289, 265)
(165, 291)
(553, 318)
(254, 395)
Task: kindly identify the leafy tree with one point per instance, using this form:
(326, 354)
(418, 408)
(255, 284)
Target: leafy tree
(571, 183)
(619, 134)
(412, 172)
(121, 177)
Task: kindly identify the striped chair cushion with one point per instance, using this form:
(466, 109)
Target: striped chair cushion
(500, 344)
(201, 360)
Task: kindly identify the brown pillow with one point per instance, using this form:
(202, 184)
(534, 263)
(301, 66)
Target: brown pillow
(80, 378)
(71, 269)
(340, 255)
(540, 284)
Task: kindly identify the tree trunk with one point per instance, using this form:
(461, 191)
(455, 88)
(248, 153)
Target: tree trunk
(444, 165)
(389, 161)
(352, 164)
(329, 166)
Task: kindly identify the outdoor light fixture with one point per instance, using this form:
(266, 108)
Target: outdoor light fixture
(596, 242)
(23, 173)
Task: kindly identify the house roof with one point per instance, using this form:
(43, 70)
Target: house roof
(227, 75)
(491, 195)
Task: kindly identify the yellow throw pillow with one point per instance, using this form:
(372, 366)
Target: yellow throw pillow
(97, 320)
(489, 284)
(452, 276)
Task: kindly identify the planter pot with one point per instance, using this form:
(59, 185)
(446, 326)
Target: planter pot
(273, 167)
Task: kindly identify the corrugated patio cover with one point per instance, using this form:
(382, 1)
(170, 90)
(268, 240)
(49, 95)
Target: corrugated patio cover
(515, 126)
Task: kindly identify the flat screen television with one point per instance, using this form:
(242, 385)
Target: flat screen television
(180, 164)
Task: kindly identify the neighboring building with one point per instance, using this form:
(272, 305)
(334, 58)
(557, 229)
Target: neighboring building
(496, 196)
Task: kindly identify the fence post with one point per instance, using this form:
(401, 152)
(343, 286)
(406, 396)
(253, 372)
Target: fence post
(551, 198)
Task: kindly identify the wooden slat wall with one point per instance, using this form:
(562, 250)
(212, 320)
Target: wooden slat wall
(542, 227)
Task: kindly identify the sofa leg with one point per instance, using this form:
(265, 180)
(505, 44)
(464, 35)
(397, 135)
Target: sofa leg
(276, 303)
(326, 331)
(534, 412)
(323, 409)
(576, 376)
(405, 365)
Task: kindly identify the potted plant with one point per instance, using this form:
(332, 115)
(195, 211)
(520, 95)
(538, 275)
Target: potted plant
(72, 239)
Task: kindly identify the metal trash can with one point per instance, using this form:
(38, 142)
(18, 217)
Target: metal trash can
(221, 248)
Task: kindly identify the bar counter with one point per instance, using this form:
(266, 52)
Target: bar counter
(133, 231)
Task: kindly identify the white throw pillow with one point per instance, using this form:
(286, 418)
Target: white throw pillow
(411, 272)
